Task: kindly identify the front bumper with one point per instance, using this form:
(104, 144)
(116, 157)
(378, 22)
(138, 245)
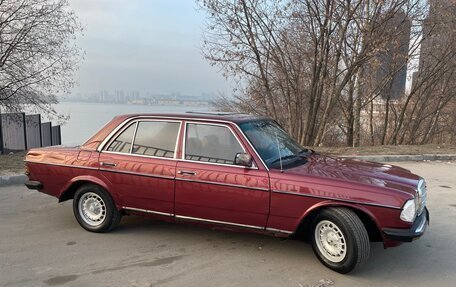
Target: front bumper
(408, 235)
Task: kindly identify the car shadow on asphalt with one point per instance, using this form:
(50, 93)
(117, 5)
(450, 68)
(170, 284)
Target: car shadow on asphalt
(407, 259)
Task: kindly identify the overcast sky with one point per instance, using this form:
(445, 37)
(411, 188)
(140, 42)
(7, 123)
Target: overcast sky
(145, 45)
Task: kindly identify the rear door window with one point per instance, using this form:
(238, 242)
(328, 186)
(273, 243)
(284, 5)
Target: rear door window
(156, 138)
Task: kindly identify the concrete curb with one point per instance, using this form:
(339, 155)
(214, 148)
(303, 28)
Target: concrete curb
(397, 158)
(12, 179)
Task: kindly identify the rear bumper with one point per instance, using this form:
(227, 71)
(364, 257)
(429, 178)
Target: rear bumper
(32, 184)
(408, 235)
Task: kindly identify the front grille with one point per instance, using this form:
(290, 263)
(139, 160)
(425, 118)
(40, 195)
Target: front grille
(422, 196)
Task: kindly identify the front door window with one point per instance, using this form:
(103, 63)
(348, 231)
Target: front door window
(211, 143)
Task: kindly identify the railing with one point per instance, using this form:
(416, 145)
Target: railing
(208, 159)
(19, 132)
(118, 145)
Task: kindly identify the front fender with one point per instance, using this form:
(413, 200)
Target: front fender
(329, 203)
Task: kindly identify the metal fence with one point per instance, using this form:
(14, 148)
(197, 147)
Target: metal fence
(46, 134)
(19, 132)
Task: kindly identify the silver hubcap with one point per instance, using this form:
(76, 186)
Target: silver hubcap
(330, 241)
(92, 209)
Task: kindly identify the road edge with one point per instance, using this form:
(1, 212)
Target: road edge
(6, 180)
(405, 157)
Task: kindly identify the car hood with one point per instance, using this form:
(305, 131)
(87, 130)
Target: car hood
(357, 171)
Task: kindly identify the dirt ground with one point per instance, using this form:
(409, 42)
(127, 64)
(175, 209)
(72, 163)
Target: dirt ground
(12, 163)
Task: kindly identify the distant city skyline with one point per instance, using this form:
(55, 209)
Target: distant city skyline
(135, 97)
(137, 94)
(148, 46)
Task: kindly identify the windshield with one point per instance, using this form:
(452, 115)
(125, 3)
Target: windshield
(272, 144)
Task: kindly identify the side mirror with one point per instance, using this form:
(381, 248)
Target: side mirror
(243, 159)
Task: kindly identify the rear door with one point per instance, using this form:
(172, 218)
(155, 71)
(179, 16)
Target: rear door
(211, 188)
(140, 163)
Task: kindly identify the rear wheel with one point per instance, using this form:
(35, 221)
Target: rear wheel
(340, 240)
(94, 209)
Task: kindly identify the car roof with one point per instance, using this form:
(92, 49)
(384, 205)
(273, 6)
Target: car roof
(201, 115)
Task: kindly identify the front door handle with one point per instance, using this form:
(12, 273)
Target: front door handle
(185, 172)
(107, 164)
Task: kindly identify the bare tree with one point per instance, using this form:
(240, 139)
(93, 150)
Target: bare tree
(331, 70)
(37, 53)
(426, 113)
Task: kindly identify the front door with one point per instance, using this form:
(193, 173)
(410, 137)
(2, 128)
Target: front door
(139, 162)
(211, 188)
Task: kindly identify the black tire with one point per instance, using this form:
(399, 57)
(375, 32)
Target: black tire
(104, 217)
(354, 235)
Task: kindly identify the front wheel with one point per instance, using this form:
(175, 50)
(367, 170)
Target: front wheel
(340, 240)
(94, 209)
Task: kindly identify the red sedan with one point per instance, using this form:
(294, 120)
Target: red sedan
(233, 171)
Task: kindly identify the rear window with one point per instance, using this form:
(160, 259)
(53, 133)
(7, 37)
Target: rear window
(123, 141)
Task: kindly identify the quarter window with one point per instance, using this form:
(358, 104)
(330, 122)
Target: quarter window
(123, 141)
(156, 139)
(209, 143)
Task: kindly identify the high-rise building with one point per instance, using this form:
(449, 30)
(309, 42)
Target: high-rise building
(119, 96)
(391, 69)
(103, 96)
(436, 31)
(386, 73)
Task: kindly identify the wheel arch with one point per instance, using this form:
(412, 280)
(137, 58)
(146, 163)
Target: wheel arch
(74, 184)
(367, 218)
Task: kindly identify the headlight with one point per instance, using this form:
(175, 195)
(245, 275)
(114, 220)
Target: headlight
(408, 213)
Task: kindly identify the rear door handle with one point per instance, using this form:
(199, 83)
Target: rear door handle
(107, 164)
(185, 172)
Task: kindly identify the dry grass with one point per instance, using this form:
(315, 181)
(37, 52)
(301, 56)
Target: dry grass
(12, 163)
(390, 150)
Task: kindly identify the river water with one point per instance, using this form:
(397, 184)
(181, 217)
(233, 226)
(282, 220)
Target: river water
(88, 118)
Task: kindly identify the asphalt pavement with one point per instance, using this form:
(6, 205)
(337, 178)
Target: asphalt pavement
(41, 244)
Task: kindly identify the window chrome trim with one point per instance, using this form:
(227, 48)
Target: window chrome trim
(219, 222)
(213, 163)
(101, 146)
(336, 199)
(116, 135)
(222, 184)
(147, 211)
(174, 118)
(133, 138)
(125, 125)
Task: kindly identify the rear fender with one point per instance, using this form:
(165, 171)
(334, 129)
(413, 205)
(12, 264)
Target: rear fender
(89, 179)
